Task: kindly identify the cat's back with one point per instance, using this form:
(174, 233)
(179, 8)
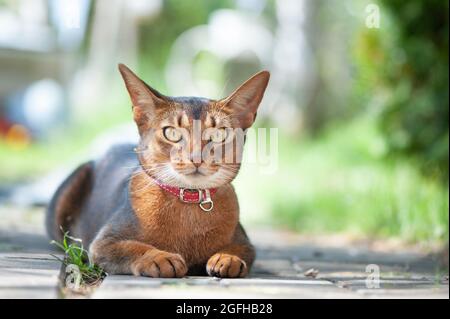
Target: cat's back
(109, 193)
(117, 163)
(112, 172)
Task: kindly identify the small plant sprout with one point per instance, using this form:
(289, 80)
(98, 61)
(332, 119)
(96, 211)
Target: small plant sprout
(76, 257)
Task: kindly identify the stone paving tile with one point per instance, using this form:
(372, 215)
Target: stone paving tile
(28, 275)
(19, 241)
(305, 253)
(205, 287)
(399, 286)
(27, 270)
(274, 268)
(30, 261)
(425, 292)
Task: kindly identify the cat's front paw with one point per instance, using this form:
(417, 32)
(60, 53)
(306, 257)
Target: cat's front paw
(159, 264)
(226, 266)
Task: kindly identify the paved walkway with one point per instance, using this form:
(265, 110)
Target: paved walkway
(288, 266)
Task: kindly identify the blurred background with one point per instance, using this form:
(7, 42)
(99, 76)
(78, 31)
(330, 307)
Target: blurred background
(359, 94)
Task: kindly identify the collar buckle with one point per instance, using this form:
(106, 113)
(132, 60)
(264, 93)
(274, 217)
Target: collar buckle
(204, 198)
(206, 204)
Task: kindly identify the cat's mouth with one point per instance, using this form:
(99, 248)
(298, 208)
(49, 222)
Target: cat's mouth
(198, 171)
(199, 178)
(192, 177)
(195, 174)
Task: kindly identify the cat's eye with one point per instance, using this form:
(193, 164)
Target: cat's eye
(218, 135)
(172, 134)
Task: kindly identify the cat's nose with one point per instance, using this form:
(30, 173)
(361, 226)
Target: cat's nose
(196, 159)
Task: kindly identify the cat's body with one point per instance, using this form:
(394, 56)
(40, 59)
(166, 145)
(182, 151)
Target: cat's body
(131, 224)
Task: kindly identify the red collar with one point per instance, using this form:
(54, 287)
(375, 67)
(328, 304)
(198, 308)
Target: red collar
(191, 195)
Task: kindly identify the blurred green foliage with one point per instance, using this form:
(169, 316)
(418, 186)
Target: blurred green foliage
(328, 184)
(415, 68)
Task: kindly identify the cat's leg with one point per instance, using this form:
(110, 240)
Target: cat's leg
(234, 260)
(137, 258)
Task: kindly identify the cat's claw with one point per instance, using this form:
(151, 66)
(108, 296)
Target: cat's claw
(160, 264)
(226, 266)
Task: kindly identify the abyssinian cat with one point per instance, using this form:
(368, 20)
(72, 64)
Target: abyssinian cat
(165, 208)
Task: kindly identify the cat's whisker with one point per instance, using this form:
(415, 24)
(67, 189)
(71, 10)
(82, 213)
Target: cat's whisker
(219, 111)
(151, 182)
(134, 175)
(138, 166)
(135, 151)
(141, 189)
(131, 167)
(143, 171)
(224, 86)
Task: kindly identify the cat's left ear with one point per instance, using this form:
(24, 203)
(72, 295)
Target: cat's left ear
(243, 103)
(146, 100)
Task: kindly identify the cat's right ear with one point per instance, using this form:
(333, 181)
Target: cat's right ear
(146, 100)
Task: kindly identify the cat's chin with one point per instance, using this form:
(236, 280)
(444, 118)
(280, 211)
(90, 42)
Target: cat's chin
(194, 180)
(199, 180)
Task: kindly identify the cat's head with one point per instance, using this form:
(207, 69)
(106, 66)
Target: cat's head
(189, 141)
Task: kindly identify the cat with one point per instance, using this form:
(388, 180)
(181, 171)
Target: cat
(140, 212)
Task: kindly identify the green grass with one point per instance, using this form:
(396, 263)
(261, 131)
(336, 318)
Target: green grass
(75, 254)
(344, 181)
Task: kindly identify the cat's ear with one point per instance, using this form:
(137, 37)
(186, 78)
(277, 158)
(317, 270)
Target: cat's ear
(146, 100)
(243, 103)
